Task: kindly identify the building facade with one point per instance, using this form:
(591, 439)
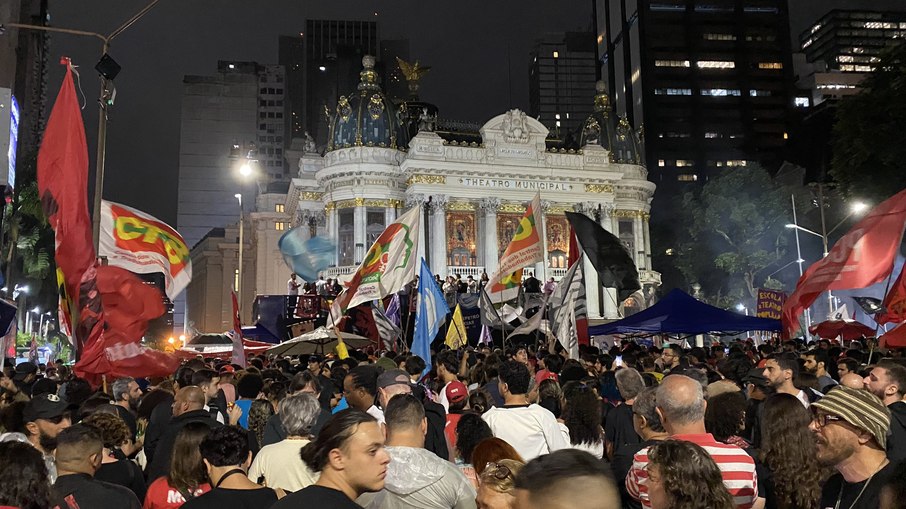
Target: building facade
(562, 77)
(711, 82)
(471, 185)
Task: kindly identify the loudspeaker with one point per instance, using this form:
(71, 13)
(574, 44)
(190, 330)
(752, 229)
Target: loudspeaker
(107, 67)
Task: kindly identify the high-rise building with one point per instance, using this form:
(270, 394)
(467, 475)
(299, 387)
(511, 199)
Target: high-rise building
(710, 82)
(291, 55)
(562, 77)
(241, 105)
(394, 83)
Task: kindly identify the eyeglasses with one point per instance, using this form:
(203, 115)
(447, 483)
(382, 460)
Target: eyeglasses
(500, 472)
(821, 419)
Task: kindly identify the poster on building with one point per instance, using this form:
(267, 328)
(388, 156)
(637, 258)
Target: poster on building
(770, 303)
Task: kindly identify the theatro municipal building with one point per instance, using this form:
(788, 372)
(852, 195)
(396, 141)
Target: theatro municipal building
(470, 181)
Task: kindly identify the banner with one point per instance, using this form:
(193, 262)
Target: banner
(306, 257)
(432, 311)
(605, 252)
(894, 303)
(456, 333)
(388, 266)
(575, 252)
(769, 304)
(141, 243)
(564, 306)
(862, 257)
(526, 248)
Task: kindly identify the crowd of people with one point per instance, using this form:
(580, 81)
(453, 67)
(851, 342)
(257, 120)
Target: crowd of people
(787, 426)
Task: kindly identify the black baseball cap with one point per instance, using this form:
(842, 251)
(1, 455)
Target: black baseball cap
(44, 406)
(756, 377)
(24, 369)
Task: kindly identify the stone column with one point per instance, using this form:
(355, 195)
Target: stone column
(641, 260)
(332, 224)
(647, 235)
(541, 267)
(359, 230)
(488, 208)
(607, 219)
(438, 238)
(418, 200)
(390, 213)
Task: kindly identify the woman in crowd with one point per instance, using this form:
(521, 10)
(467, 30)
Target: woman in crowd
(24, 474)
(725, 418)
(187, 478)
(492, 450)
(115, 466)
(681, 475)
(788, 450)
(260, 411)
(470, 430)
(480, 401)
(550, 396)
(279, 465)
(582, 418)
(497, 487)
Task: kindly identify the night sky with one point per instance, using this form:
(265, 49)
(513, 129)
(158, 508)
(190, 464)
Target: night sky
(468, 43)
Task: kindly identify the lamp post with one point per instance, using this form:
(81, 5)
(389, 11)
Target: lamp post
(107, 69)
(239, 271)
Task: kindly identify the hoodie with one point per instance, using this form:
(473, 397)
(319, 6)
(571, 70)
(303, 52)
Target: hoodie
(417, 478)
(896, 441)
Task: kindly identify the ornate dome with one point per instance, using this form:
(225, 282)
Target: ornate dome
(366, 117)
(614, 133)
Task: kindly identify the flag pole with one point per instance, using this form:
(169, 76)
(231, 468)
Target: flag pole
(336, 330)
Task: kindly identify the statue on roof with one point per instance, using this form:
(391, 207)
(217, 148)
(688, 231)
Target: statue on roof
(413, 73)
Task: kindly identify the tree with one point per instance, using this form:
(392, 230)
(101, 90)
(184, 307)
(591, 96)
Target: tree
(735, 224)
(868, 133)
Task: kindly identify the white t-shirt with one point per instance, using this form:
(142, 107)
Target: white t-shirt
(442, 398)
(595, 449)
(376, 412)
(282, 467)
(532, 430)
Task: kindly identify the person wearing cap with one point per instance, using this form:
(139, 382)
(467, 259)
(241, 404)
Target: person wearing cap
(416, 478)
(44, 417)
(25, 376)
(457, 394)
(396, 381)
(850, 428)
(887, 381)
(756, 386)
(447, 368)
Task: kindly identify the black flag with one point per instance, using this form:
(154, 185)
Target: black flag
(870, 305)
(607, 254)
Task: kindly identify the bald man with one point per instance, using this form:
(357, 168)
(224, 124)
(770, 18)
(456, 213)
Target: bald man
(681, 407)
(188, 406)
(852, 380)
(552, 481)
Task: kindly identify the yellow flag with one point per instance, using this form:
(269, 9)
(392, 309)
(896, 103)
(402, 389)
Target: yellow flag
(456, 334)
(342, 351)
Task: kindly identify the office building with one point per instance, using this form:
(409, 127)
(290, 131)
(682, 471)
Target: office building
(711, 82)
(561, 79)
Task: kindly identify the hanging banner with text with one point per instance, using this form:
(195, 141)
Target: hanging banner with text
(770, 303)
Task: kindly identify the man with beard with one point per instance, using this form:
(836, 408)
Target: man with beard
(45, 417)
(850, 428)
(887, 381)
(126, 395)
(781, 371)
(816, 362)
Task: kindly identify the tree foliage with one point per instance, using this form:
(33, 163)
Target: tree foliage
(869, 152)
(733, 231)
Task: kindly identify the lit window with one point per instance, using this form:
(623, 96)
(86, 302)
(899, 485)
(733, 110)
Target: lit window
(279, 207)
(673, 91)
(759, 93)
(808, 42)
(770, 65)
(280, 226)
(712, 135)
(681, 163)
(844, 58)
(558, 123)
(719, 37)
(661, 163)
(557, 116)
(786, 136)
(671, 63)
(736, 162)
(720, 92)
(687, 177)
(800, 102)
(716, 64)
(556, 54)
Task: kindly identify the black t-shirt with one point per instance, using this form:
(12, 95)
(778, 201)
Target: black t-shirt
(128, 418)
(87, 493)
(124, 473)
(225, 498)
(618, 428)
(316, 496)
(848, 493)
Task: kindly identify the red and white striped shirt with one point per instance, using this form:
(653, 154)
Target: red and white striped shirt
(736, 467)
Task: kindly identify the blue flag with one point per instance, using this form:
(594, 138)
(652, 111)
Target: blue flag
(306, 257)
(432, 311)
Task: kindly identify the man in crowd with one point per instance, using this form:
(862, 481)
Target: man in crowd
(671, 358)
(416, 478)
(126, 395)
(447, 367)
(681, 406)
(531, 429)
(816, 362)
(887, 381)
(567, 479)
(845, 366)
(79, 454)
(618, 428)
(647, 424)
(395, 382)
(292, 290)
(26, 374)
(850, 427)
(44, 418)
(208, 381)
(781, 371)
(188, 406)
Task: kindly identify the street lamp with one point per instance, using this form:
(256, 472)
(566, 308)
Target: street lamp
(239, 271)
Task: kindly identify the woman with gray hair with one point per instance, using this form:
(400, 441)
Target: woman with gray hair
(279, 465)
(618, 429)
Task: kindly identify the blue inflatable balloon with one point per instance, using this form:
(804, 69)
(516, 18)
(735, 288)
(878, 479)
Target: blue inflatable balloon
(306, 257)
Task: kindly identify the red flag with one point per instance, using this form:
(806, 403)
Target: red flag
(238, 350)
(63, 187)
(127, 303)
(894, 302)
(862, 257)
(581, 321)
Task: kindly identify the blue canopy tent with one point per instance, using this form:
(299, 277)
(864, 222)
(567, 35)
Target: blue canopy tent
(678, 313)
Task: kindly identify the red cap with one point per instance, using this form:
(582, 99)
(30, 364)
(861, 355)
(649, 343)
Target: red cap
(456, 391)
(227, 369)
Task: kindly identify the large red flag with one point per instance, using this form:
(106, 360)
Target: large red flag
(894, 302)
(862, 257)
(581, 321)
(63, 187)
